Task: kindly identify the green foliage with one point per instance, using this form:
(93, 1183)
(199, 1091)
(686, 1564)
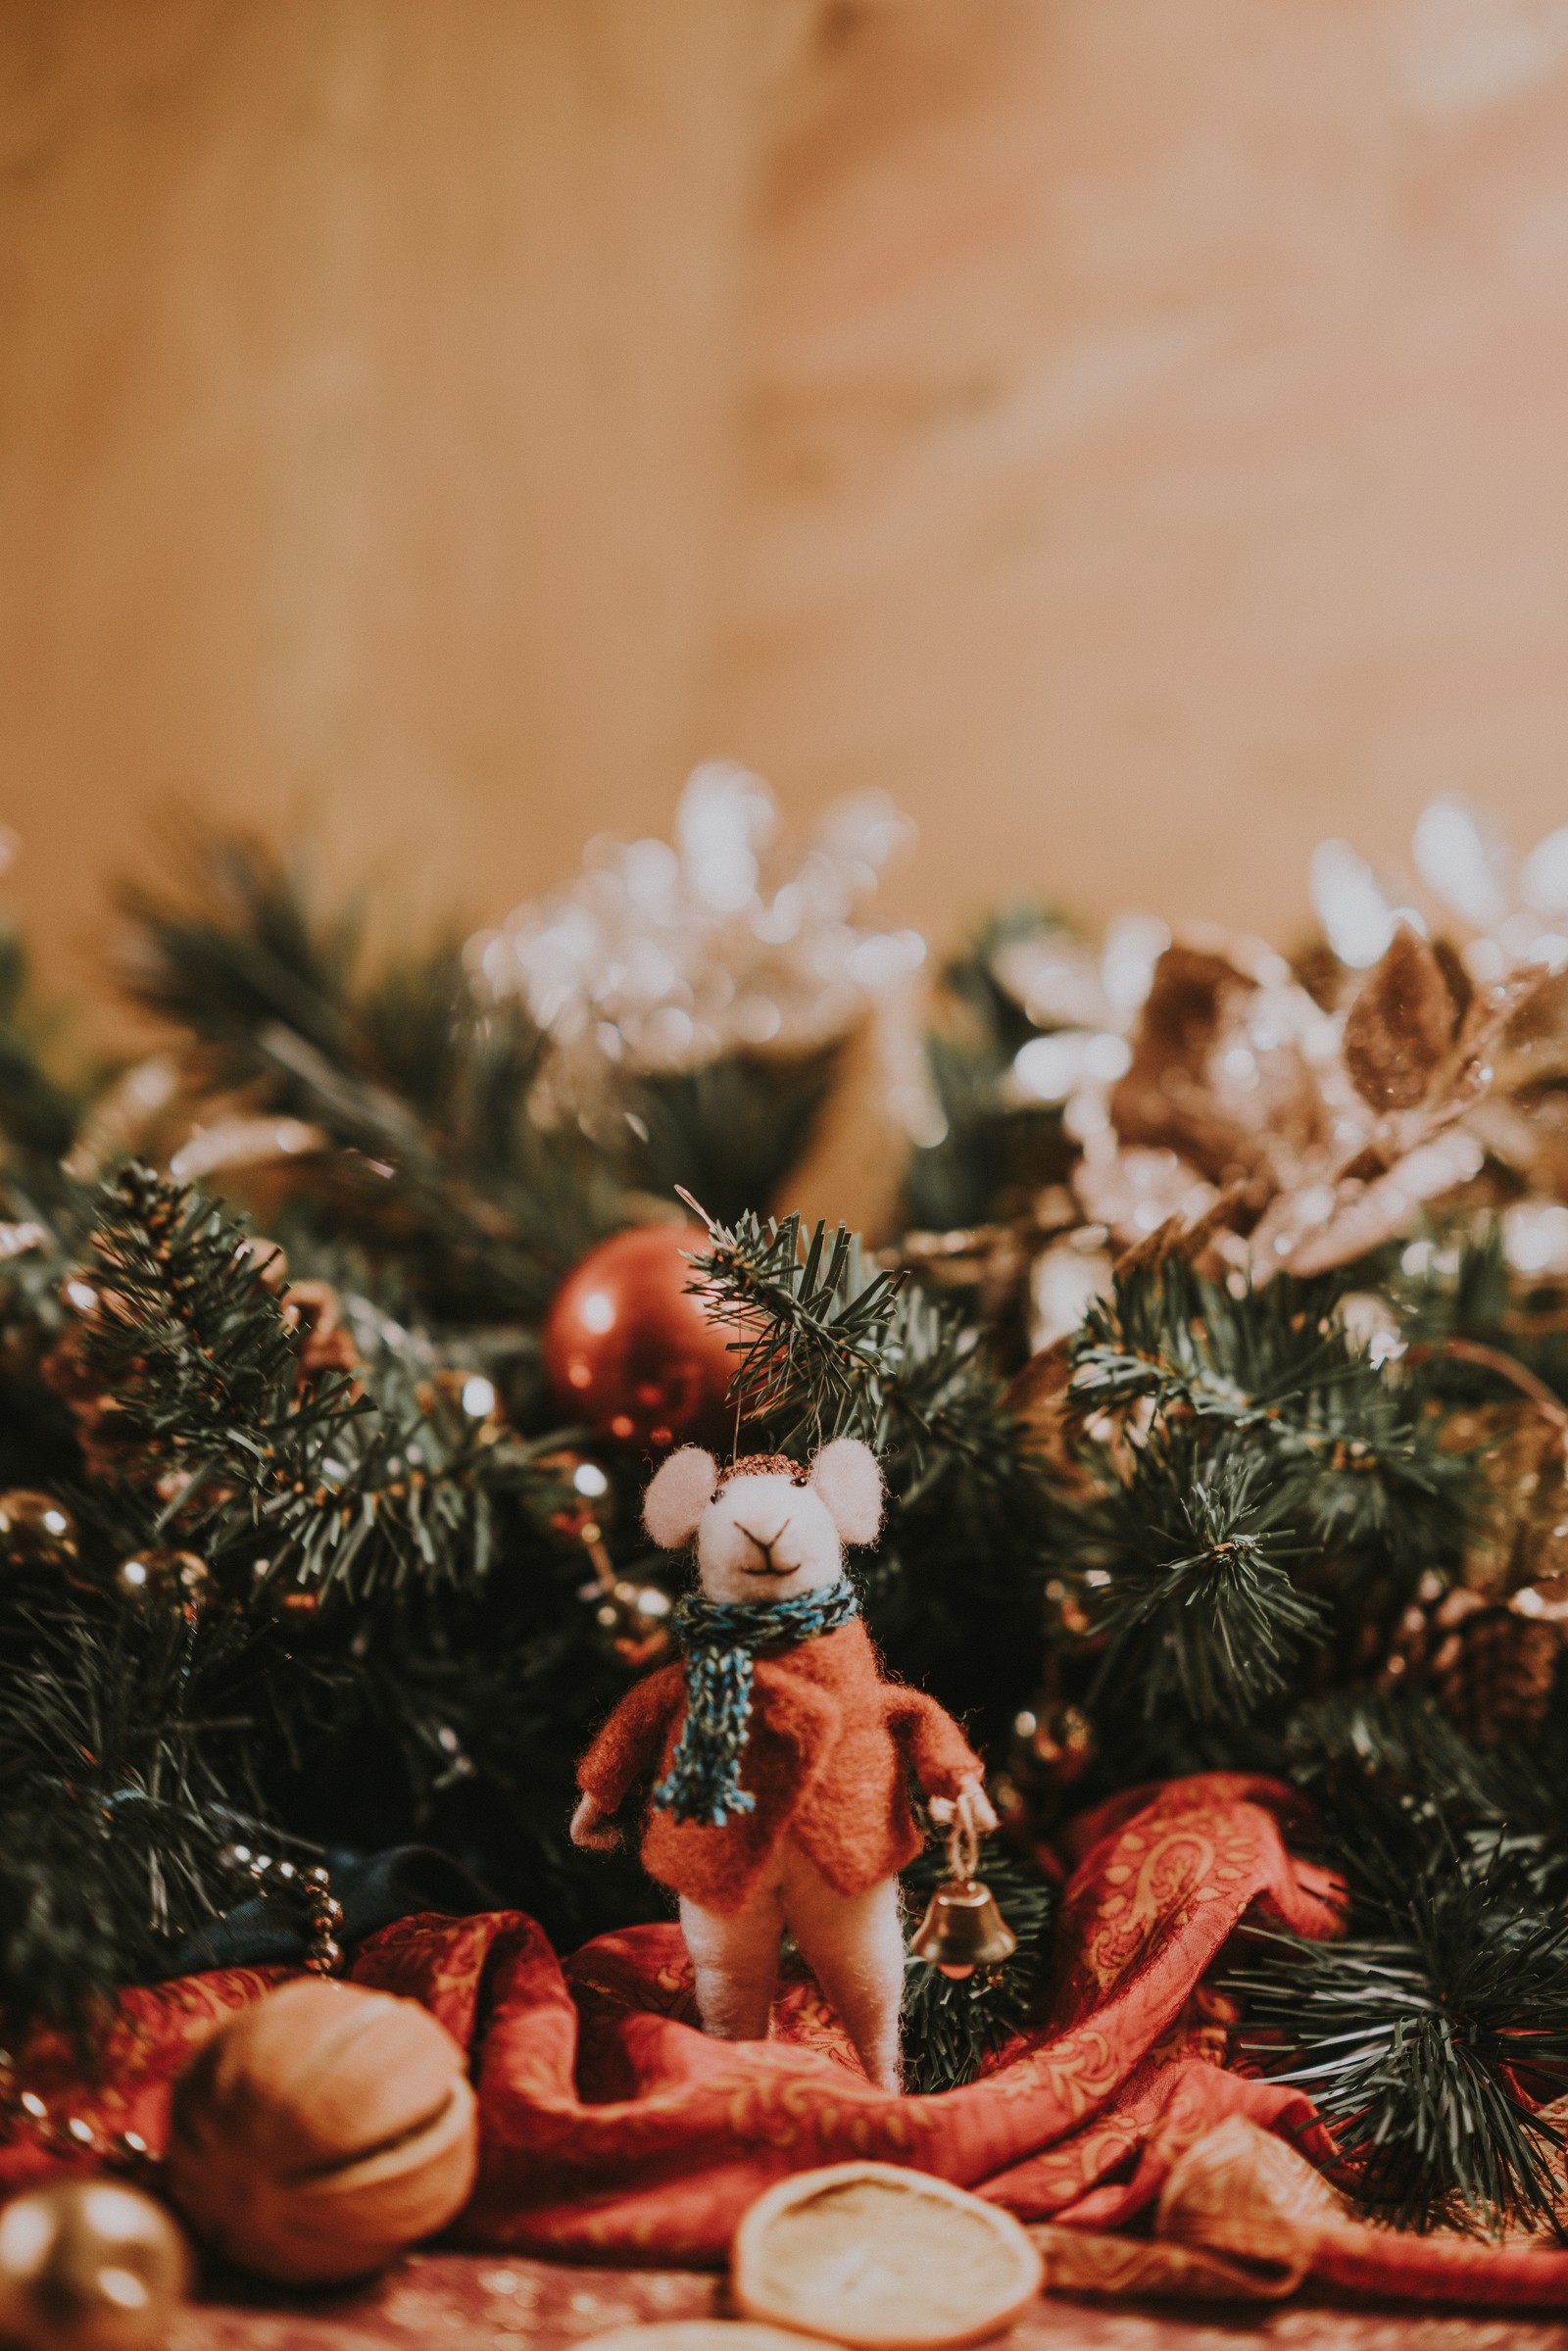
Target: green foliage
(951, 2028)
(431, 1157)
(811, 1326)
(123, 1773)
(424, 1092)
(442, 1616)
(38, 1114)
(827, 1346)
(1198, 1605)
(730, 1131)
(1222, 1516)
(1252, 1480)
(1353, 1456)
(1463, 1307)
(1430, 2035)
(183, 1334)
(1400, 1742)
(284, 1484)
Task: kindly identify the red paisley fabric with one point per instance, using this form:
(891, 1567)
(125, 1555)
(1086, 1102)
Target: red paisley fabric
(614, 2130)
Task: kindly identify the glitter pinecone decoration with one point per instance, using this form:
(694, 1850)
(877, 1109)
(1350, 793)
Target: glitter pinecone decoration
(1491, 1663)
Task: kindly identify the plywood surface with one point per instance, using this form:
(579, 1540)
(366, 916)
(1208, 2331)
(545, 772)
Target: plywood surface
(455, 2302)
(1128, 431)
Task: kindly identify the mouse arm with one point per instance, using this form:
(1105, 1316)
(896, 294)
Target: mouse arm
(950, 1774)
(627, 1745)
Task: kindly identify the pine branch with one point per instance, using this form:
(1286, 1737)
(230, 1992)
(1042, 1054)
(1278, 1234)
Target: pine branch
(1356, 1454)
(1189, 1584)
(1256, 1485)
(183, 1338)
(1168, 1335)
(1429, 2038)
(38, 1114)
(122, 1776)
(827, 1349)
(995, 1154)
(813, 1325)
(1401, 1741)
(205, 1434)
(730, 1131)
(138, 1733)
(951, 2027)
(239, 946)
(404, 1491)
(1456, 1286)
(420, 1092)
(1358, 1752)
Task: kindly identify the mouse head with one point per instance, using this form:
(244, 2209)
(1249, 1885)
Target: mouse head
(767, 1529)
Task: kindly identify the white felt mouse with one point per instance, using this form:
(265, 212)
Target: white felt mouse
(783, 1757)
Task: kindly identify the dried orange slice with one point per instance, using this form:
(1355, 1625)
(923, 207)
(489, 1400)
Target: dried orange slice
(692, 2334)
(883, 2259)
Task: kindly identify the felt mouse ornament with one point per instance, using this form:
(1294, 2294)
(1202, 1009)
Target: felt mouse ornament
(781, 1756)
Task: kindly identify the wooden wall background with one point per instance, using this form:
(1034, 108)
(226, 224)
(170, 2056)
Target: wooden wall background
(1130, 431)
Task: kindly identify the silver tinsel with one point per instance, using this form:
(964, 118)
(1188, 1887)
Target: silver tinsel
(666, 955)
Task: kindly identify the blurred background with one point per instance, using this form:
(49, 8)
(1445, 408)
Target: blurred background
(1128, 432)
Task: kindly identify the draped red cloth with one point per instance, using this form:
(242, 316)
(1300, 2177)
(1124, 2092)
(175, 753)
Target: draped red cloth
(614, 2130)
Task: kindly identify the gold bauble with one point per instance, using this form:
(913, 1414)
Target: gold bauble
(89, 2266)
(1060, 1743)
(637, 1619)
(36, 1531)
(165, 1580)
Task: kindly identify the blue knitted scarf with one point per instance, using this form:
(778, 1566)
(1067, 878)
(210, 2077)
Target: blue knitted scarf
(722, 1638)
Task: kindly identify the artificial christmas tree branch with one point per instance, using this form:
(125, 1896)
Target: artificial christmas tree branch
(1195, 1601)
(827, 1346)
(1248, 1474)
(951, 2027)
(417, 1091)
(1432, 2037)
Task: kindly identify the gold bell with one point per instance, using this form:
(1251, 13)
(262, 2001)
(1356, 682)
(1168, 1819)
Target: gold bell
(963, 1928)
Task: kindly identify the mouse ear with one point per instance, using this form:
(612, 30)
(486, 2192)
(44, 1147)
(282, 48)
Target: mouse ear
(678, 1494)
(848, 1476)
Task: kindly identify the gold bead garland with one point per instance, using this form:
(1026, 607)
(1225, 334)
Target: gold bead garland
(126, 2150)
(636, 1619)
(70, 2134)
(324, 1953)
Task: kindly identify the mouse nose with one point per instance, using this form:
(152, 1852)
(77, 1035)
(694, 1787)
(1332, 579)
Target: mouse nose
(764, 1541)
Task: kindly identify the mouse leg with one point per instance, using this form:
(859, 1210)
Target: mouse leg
(735, 1958)
(854, 1945)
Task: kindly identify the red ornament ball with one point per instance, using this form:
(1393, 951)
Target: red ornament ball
(628, 1348)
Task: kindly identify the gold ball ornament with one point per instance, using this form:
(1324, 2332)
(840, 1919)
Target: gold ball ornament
(165, 1580)
(91, 2266)
(638, 1621)
(36, 1531)
(1058, 1744)
(321, 2133)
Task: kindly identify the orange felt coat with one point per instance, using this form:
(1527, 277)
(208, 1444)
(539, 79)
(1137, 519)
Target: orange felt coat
(829, 1748)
